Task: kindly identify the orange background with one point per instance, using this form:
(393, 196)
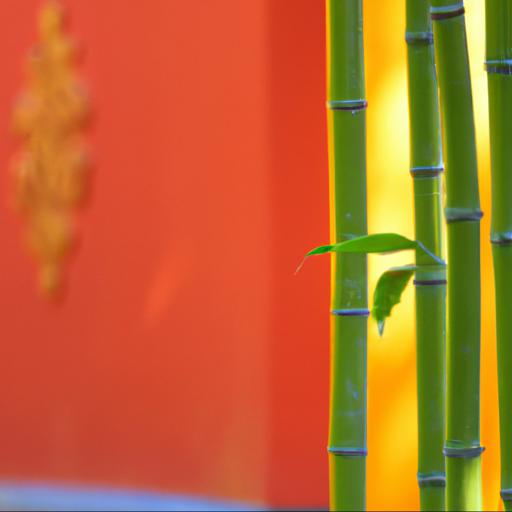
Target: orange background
(186, 355)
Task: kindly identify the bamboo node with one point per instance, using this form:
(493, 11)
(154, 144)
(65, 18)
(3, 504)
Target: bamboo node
(350, 105)
(347, 451)
(351, 312)
(430, 282)
(427, 171)
(499, 67)
(447, 11)
(453, 215)
(506, 494)
(460, 452)
(433, 479)
(504, 238)
(419, 38)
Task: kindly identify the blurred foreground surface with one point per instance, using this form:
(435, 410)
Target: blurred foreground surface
(186, 357)
(15, 496)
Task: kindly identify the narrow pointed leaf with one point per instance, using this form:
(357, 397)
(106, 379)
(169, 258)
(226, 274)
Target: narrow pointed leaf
(388, 292)
(378, 243)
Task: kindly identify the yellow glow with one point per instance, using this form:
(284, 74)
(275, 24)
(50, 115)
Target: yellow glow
(392, 377)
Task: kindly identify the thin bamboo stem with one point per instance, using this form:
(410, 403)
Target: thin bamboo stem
(349, 301)
(462, 447)
(426, 166)
(499, 68)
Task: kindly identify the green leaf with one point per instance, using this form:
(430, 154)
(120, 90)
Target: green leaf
(388, 292)
(379, 243)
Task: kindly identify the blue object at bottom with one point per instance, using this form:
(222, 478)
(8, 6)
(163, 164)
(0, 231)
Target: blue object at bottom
(21, 496)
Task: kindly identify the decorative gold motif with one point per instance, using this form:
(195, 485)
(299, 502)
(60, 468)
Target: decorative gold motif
(49, 172)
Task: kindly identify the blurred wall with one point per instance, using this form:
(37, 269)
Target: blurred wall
(186, 355)
(152, 372)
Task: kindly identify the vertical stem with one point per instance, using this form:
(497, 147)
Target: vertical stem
(499, 68)
(426, 166)
(349, 301)
(462, 447)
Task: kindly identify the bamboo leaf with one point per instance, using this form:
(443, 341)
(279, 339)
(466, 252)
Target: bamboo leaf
(379, 243)
(388, 292)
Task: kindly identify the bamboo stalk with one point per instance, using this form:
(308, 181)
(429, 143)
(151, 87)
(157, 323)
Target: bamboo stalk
(349, 301)
(426, 166)
(462, 447)
(499, 68)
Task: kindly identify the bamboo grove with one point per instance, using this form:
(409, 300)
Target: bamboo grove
(447, 293)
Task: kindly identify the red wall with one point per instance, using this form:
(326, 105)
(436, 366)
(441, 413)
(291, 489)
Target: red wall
(300, 304)
(186, 356)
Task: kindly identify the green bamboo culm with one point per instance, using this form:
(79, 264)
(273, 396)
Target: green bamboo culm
(462, 447)
(426, 167)
(349, 297)
(499, 69)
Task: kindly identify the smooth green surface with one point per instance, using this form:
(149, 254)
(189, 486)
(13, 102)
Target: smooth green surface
(468, 495)
(388, 292)
(457, 113)
(347, 176)
(499, 48)
(425, 151)
(342, 470)
(463, 354)
(378, 243)
(430, 356)
(463, 363)
(502, 257)
(432, 498)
